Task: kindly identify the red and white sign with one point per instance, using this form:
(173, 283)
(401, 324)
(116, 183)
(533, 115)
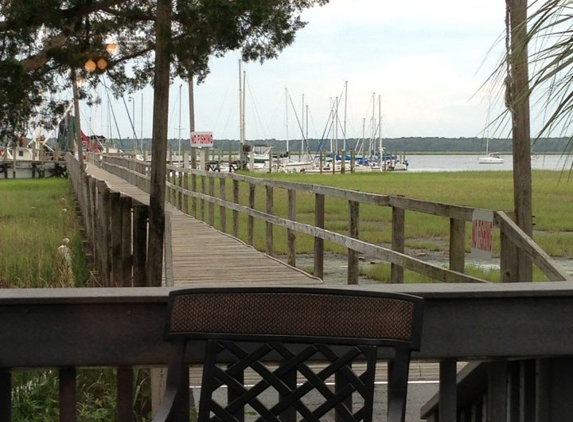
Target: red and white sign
(201, 139)
(482, 232)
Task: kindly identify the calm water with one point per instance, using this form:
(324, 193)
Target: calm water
(437, 163)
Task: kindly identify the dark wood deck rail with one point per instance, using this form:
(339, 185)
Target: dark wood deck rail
(198, 193)
(521, 330)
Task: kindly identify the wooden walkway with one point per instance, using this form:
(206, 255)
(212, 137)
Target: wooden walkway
(203, 255)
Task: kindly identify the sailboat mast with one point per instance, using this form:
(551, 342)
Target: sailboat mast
(180, 103)
(380, 132)
(241, 107)
(302, 129)
(286, 118)
(345, 109)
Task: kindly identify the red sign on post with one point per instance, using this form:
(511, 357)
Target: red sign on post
(201, 139)
(482, 229)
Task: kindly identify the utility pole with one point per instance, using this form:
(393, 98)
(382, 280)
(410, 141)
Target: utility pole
(78, 131)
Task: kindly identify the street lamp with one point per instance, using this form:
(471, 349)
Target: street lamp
(91, 65)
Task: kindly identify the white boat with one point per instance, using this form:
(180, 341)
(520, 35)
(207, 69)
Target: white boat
(491, 157)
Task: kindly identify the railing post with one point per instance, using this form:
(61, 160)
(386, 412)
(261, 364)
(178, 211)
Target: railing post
(194, 181)
(318, 242)
(103, 232)
(140, 213)
(5, 395)
(168, 251)
(125, 394)
(116, 238)
(202, 201)
(269, 226)
(222, 209)
(527, 390)
(508, 259)
(448, 391)
(236, 197)
(353, 232)
(179, 193)
(67, 394)
(497, 391)
(291, 234)
(250, 218)
(186, 185)
(457, 245)
(398, 228)
(211, 204)
(126, 242)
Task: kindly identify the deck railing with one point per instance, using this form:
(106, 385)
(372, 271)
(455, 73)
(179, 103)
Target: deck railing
(204, 195)
(522, 331)
(516, 335)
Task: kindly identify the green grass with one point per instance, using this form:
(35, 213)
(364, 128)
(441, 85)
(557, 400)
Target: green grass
(552, 196)
(35, 217)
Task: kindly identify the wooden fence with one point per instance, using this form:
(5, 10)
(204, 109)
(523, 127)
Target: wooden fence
(115, 228)
(205, 195)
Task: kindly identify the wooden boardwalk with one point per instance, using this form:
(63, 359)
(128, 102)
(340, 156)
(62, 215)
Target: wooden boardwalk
(203, 255)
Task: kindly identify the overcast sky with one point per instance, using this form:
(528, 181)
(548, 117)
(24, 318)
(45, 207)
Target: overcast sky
(426, 61)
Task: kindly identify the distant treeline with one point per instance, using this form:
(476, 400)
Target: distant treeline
(408, 145)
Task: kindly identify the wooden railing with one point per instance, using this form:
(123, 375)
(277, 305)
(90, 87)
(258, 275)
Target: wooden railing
(199, 193)
(520, 330)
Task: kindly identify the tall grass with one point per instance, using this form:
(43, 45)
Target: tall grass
(35, 217)
(552, 196)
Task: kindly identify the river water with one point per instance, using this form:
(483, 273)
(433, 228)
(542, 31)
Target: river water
(439, 163)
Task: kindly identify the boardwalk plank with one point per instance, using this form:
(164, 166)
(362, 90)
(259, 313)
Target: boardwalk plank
(204, 255)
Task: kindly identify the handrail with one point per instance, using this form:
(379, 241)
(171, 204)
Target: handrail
(123, 328)
(458, 215)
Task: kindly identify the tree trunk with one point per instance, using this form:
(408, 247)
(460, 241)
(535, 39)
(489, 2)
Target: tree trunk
(519, 86)
(159, 144)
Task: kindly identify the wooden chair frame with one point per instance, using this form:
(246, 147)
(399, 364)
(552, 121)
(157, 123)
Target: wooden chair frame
(248, 328)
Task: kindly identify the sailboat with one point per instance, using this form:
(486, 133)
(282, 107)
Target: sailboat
(490, 157)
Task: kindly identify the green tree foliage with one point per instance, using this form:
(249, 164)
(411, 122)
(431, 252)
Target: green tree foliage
(40, 40)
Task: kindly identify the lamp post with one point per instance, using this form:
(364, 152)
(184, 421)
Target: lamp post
(91, 65)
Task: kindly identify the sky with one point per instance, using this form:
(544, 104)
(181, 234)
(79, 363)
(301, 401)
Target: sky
(424, 63)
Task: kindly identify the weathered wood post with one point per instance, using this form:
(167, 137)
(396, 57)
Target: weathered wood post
(126, 242)
(194, 181)
(67, 393)
(319, 242)
(269, 226)
(6, 395)
(186, 181)
(353, 232)
(398, 236)
(222, 209)
(140, 214)
(116, 230)
(250, 218)
(291, 234)
(102, 231)
(211, 204)
(457, 245)
(202, 201)
(236, 196)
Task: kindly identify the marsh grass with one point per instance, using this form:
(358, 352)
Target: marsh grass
(552, 196)
(35, 217)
